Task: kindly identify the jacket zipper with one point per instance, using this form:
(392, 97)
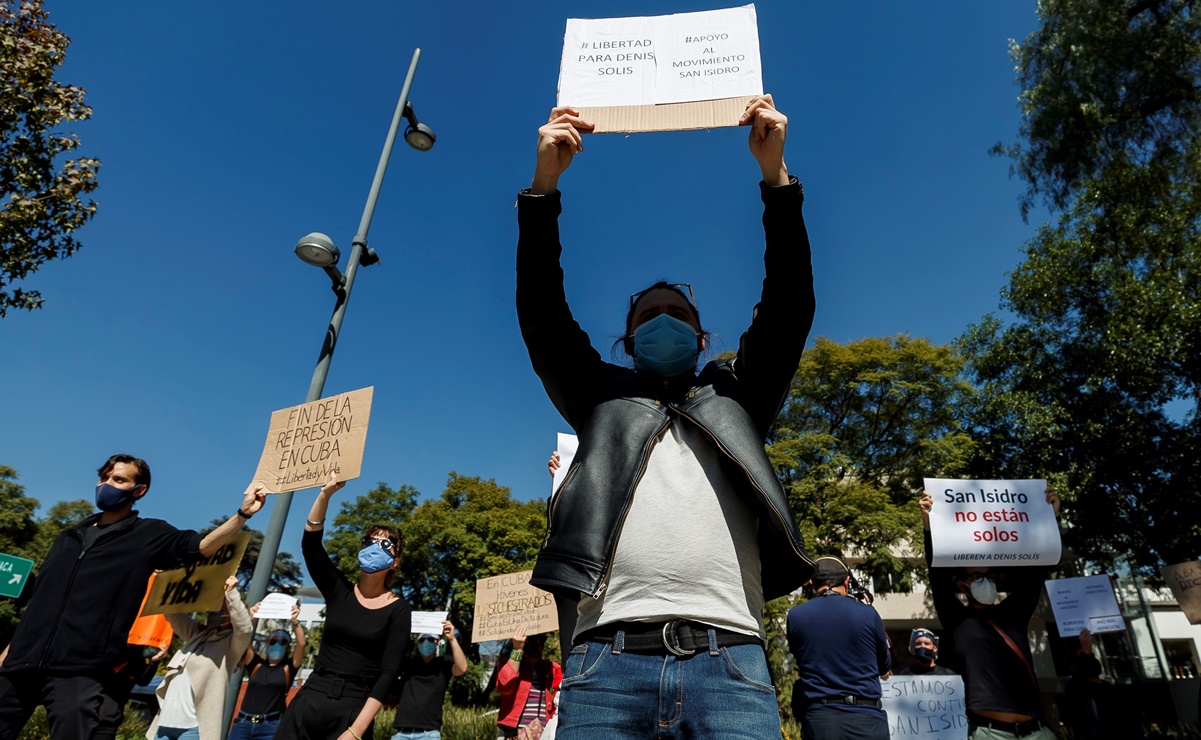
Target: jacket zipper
(629, 502)
(58, 619)
(762, 494)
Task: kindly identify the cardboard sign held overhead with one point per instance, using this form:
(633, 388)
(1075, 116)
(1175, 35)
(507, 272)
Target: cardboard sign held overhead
(504, 603)
(1185, 581)
(308, 442)
(1085, 603)
(662, 73)
(199, 586)
(992, 522)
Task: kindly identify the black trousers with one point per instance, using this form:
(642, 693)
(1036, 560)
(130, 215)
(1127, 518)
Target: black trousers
(830, 723)
(314, 715)
(78, 707)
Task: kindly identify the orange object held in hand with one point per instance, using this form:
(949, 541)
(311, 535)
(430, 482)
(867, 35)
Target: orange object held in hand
(153, 630)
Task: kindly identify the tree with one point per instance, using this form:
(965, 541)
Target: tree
(863, 423)
(1096, 381)
(62, 515)
(41, 205)
(17, 533)
(285, 573)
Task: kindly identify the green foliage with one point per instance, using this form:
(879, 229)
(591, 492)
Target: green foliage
(62, 515)
(40, 204)
(285, 573)
(864, 422)
(18, 530)
(1104, 82)
(1096, 383)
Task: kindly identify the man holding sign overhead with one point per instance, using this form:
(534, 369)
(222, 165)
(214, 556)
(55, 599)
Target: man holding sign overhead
(990, 637)
(671, 527)
(66, 647)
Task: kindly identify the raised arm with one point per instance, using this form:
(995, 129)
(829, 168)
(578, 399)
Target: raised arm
(298, 641)
(239, 619)
(1026, 584)
(252, 501)
(460, 664)
(949, 609)
(770, 349)
(322, 570)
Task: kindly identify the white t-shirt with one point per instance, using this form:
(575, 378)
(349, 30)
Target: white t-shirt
(688, 548)
(179, 705)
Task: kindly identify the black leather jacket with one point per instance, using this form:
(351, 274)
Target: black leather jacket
(617, 412)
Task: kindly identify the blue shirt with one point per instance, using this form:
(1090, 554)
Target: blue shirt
(840, 649)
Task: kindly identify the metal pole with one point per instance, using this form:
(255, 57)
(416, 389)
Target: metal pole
(283, 501)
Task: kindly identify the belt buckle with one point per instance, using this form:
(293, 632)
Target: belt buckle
(255, 719)
(671, 639)
(850, 699)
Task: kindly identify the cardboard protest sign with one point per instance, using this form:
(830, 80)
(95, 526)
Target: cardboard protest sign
(504, 603)
(662, 73)
(308, 442)
(1185, 581)
(152, 630)
(925, 707)
(992, 522)
(198, 586)
(565, 445)
(1085, 603)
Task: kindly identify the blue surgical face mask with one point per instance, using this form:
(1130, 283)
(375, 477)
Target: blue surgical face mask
(373, 558)
(427, 649)
(111, 498)
(276, 652)
(665, 346)
(984, 591)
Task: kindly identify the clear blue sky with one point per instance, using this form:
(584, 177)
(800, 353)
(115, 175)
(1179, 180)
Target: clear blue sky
(227, 131)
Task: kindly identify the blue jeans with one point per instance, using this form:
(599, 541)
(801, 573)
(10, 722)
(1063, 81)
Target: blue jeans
(722, 693)
(247, 730)
(176, 733)
(427, 735)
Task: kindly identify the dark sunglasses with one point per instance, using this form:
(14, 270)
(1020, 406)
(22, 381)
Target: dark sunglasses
(427, 639)
(383, 542)
(278, 641)
(682, 287)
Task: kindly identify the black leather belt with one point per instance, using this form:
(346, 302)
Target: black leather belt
(665, 638)
(336, 687)
(257, 718)
(857, 701)
(1017, 729)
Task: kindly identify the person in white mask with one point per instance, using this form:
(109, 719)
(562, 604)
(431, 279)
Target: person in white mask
(990, 640)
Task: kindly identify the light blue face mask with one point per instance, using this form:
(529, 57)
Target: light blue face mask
(665, 346)
(427, 649)
(373, 558)
(276, 652)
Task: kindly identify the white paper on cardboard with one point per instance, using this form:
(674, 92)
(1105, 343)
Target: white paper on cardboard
(653, 60)
(992, 523)
(1086, 602)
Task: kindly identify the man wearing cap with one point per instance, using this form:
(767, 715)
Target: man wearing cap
(67, 650)
(841, 652)
(923, 654)
(423, 681)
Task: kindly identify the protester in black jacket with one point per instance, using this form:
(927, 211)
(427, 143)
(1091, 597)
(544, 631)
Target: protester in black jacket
(71, 641)
(671, 527)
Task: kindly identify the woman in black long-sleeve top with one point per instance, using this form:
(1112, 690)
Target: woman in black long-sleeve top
(365, 638)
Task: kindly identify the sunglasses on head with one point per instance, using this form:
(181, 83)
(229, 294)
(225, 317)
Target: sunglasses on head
(685, 288)
(383, 542)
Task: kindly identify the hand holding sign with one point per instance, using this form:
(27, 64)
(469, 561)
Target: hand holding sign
(769, 128)
(253, 499)
(558, 143)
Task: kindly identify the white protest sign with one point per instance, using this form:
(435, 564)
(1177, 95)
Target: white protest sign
(1185, 581)
(504, 603)
(308, 442)
(925, 707)
(276, 606)
(647, 61)
(991, 523)
(565, 445)
(1085, 603)
(428, 623)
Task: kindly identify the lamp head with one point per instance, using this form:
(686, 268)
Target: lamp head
(318, 250)
(417, 134)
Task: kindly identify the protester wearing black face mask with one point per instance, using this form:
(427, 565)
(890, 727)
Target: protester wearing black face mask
(86, 596)
(923, 654)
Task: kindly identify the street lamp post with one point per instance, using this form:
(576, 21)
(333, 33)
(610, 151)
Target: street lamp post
(317, 249)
